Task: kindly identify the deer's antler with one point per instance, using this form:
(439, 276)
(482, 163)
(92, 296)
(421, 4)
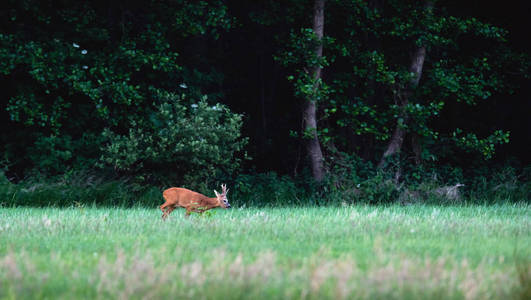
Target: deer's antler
(224, 189)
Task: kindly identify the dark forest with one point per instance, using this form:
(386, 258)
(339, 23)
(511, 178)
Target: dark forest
(357, 101)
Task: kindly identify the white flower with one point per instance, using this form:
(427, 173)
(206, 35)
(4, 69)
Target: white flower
(85, 67)
(194, 105)
(83, 51)
(183, 85)
(75, 45)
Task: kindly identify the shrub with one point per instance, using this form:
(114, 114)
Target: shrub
(74, 189)
(268, 189)
(506, 184)
(186, 145)
(351, 180)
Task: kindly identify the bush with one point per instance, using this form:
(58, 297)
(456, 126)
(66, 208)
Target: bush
(7, 189)
(268, 189)
(79, 188)
(75, 189)
(505, 184)
(186, 145)
(51, 153)
(351, 180)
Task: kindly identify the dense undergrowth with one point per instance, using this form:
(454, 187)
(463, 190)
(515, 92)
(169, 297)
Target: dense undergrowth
(504, 185)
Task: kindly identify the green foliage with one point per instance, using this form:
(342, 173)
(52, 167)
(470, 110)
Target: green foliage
(75, 189)
(371, 56)
(7, 189)
(368, 51)
(268, 189)
(485, 146)
(351, 180)
(502, 185)
(180, 144)
(75, 70)
(56, 154)
(82, 67)
(299, 55)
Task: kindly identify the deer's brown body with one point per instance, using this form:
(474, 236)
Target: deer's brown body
(191, 201)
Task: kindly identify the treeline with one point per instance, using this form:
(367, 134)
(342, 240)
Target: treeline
(349, 100)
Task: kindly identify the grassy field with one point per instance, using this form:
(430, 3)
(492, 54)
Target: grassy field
(413, 252)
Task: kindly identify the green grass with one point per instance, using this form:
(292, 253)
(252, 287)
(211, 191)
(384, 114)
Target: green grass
(372, 252)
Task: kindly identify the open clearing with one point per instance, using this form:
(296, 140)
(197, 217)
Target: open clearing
(424, 252)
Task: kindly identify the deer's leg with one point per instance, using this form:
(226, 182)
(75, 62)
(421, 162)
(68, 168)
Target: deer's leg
(164, 209)
(168, 211)
(189, 211)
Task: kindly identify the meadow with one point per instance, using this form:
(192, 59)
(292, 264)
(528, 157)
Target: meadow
(357, 252)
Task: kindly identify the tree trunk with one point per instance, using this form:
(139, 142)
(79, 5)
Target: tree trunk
(309, 109)
(397, 139)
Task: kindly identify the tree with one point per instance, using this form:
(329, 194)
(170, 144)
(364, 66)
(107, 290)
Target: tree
(382, 83)
(309, 110)
(302, 53)
(402, 95)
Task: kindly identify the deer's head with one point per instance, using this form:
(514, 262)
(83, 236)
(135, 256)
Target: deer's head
(222, 198)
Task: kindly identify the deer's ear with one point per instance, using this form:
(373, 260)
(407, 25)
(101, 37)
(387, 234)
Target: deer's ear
(216, 192)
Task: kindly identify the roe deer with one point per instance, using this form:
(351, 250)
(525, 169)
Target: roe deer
(192, 201)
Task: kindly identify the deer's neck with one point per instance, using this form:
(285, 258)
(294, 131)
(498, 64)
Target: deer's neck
(212, 202)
